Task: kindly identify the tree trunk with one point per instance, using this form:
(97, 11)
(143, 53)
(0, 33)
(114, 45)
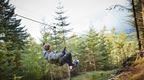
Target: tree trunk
(142, 29)
(138, 17)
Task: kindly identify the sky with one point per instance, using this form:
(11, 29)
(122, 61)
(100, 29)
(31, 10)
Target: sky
(81, 14)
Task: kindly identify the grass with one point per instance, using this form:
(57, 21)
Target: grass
(94, 75)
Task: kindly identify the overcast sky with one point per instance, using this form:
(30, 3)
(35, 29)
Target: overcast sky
(81, 13)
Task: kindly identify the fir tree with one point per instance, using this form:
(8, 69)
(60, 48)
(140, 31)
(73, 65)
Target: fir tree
(60, 29)
(12, 40)
(104, 50)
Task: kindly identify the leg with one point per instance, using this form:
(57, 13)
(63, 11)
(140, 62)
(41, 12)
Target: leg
(67, 58)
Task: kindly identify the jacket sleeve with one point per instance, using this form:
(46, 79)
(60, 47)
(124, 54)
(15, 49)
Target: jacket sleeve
(51, 55)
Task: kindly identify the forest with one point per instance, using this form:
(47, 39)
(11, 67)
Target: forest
(103, 55)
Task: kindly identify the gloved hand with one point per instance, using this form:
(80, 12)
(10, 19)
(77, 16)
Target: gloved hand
(64, 51)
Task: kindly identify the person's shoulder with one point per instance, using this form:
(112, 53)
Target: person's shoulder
(44, 51)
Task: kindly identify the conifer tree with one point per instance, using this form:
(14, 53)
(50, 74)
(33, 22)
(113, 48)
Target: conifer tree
(60, 27)
(12, 39)
(104, 50)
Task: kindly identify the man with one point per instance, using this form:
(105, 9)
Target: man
(57, 58)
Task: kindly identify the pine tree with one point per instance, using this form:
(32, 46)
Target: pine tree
(60, 29)
(13, 40)
(92, 42)
(103, 50)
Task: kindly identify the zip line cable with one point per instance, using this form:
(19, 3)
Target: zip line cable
(50, 27)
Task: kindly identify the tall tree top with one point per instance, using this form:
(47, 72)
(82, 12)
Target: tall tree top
(60, 17)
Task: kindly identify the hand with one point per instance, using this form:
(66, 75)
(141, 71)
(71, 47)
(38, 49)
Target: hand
(64, 48)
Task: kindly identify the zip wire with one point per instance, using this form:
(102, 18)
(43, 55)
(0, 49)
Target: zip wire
(50, 27)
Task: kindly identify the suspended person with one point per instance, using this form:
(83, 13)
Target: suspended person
(60, 58)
